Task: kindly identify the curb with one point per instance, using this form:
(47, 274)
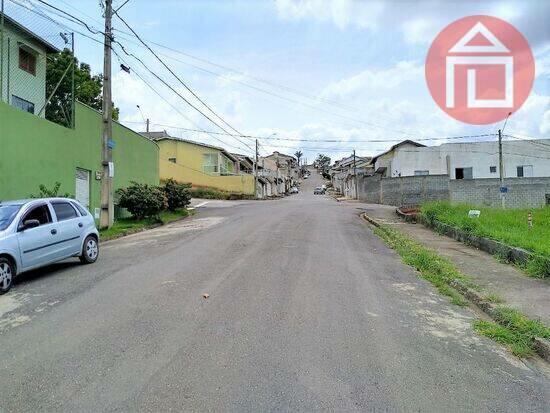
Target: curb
(493, 247)
(542, 346)
(138, 230)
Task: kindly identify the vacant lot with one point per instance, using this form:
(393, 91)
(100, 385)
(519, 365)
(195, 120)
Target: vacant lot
(509, 226)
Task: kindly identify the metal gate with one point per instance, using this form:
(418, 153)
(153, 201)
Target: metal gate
(83, 187)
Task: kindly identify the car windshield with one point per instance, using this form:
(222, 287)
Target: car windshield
(7, 213)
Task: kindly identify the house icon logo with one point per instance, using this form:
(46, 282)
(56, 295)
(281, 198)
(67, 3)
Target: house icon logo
(479, 69)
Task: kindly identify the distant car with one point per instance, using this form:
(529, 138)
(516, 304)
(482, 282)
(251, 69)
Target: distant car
(38, 232)
(318, 191)
(306, 176)
(293, 190)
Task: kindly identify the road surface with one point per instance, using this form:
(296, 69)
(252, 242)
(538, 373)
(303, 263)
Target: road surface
(308, 310)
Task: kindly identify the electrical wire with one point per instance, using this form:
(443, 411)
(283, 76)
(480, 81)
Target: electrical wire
(175, 75)
(173, 106)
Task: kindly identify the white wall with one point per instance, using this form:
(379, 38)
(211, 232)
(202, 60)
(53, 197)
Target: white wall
(408, 159)
(480, 156)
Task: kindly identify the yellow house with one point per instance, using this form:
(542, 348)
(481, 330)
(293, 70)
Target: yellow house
(200, 164)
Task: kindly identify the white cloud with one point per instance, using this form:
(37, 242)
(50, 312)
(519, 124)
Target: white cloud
(342, 13)
(396, 77)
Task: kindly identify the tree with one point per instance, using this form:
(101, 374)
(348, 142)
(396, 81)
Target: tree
(88, 87)
(323, 162)
(298, 155)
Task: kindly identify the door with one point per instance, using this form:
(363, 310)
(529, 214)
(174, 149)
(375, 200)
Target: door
(37, 245)
(69, 227)
(83, 187)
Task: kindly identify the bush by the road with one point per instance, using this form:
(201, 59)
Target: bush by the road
(177, 195)
(142, 200)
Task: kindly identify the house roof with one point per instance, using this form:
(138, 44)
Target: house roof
(281, 155)
(50, 48)
(243, 158)
(397, 145)
(161, 136)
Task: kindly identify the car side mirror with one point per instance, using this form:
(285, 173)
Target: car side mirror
(30, 223)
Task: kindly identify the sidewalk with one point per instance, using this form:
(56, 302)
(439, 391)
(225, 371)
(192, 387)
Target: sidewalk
(531, 296)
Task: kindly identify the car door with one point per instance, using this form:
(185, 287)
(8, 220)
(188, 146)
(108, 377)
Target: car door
(69, 226)
(37, 245)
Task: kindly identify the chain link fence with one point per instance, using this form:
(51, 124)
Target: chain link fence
(37, 64)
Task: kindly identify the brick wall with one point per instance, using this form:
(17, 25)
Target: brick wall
(522, 192)
(404, 191)
(414, 190)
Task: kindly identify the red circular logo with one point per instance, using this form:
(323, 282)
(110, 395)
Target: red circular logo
(479, 69)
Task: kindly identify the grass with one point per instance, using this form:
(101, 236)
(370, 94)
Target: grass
(494, 298)
(514, 330)
(212, 193)
(125, 226)
(508, 226)
(432, 267)
(510, 328)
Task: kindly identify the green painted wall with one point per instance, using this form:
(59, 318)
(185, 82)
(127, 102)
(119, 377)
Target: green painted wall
(36, 151)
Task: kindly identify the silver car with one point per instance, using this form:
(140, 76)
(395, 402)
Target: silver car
(38, 232)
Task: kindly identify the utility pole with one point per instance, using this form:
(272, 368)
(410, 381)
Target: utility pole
(355, 175)
(107, 209)
(501, 170)
(147, 127)
(256, 171)
(73, 98)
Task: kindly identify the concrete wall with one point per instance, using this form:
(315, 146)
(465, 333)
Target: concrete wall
(415, 190)
(522, 192)
(36, 151)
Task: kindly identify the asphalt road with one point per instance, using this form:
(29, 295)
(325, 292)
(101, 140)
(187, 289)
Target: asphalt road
(308, 311)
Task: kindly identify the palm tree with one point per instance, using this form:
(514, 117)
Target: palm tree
(298, 155)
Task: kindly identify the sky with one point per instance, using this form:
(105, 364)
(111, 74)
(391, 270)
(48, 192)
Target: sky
(338, 70)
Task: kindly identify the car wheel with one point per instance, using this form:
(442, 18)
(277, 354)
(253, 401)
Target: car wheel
(7, 271)
(90, 250)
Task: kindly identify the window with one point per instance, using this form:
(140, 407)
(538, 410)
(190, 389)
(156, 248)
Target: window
(81, 209)
(64, 211)
(210, 163)
(226, 167)
(493, 169)
(7, 214)
(525, 171)
(40, 213)
(173, 160)
(463, 173)
(22, 104)
(421, 172)
(27, 61)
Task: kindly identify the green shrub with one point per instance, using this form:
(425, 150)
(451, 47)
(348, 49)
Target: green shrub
(44, 192)
(177, 195)
(142, 200)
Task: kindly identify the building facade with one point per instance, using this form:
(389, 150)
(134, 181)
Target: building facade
(23, 62)
(472, 160)
(201, 165)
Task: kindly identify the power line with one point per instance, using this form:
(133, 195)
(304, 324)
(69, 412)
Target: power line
(234, 80)
(341, 140)
(176, 92)
(174, 74)
(173, 106)
(95, 31)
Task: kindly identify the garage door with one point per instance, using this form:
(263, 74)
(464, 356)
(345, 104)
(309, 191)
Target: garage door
(83, 187)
